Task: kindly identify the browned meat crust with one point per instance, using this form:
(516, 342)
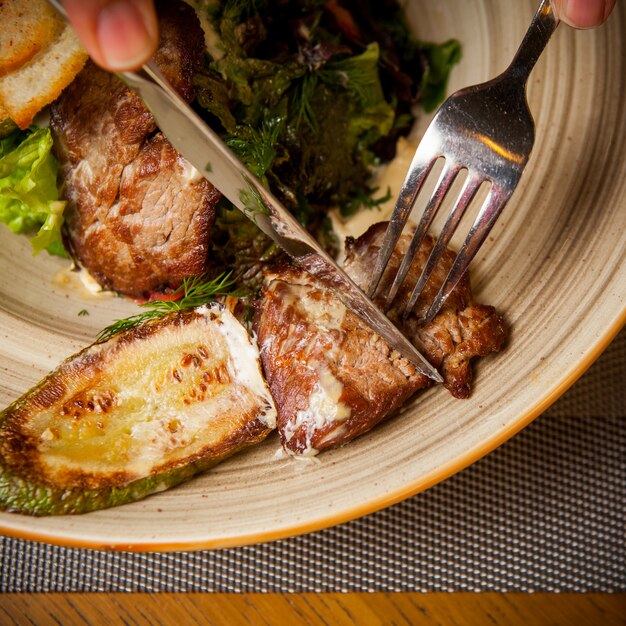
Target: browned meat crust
(461, 331)
(331, 377)
(137, 219)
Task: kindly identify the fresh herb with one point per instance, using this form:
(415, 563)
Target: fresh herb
(302, 102)
(311, 95)
(257, 147)
(357, 74)
(195, 291)
(236, 242)
(253, 204)
(29, 198)
(83, 313)
(366, 200)
(441, 59)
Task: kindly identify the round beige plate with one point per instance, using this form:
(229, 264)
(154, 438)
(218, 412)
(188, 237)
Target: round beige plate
(555, 266)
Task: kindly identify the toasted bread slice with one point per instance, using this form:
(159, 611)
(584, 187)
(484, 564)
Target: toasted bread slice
(48, 57)
(28, 26)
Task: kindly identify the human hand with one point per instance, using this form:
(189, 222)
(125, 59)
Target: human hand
(118, 34)
(584, 13)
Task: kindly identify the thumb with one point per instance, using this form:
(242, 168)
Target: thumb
(584, 13)
(118, 34)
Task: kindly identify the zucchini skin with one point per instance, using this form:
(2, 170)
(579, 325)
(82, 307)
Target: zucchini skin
(19, 495)
(29, 484)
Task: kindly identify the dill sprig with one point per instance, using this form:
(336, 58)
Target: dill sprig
(358, 74)
(257, 147)
(302, 100)
(195, 291)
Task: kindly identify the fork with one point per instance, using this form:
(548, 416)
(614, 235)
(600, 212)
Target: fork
(486, 129)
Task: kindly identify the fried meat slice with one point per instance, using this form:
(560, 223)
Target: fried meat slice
(462, 330)
(139, 216)
(332, 378)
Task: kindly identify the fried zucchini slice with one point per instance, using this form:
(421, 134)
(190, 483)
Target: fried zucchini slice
(134, 415)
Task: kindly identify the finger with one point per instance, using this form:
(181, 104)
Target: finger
(584, 13)
(118, 34)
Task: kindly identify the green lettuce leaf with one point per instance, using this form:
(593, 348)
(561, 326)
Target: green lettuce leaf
(440, 60)
(29, 198)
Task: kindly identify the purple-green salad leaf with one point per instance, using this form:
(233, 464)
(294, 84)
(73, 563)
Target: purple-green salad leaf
(311, 95)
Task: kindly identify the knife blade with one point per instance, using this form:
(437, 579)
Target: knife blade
(188, 133)
(204, 149)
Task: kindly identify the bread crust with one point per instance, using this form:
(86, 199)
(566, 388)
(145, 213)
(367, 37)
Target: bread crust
(39, 56)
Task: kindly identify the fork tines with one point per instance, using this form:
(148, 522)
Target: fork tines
(487, 130)
(418, 173)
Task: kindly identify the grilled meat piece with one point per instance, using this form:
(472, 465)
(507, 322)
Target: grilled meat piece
(461, 331)
(331, 377)
(139, 216)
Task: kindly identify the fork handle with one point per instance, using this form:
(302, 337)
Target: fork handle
(541, 28)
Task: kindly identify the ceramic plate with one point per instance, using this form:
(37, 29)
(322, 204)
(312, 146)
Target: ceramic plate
(554, 265)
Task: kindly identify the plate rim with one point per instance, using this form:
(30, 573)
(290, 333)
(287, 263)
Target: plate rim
(603, 335)
(371, 506)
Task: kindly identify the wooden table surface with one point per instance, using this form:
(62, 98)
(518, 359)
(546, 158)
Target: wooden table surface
(336, 609)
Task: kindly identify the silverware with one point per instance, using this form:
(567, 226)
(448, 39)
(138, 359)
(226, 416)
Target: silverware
(188, 133)
(487, 130)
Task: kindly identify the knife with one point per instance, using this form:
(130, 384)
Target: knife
(191, 136)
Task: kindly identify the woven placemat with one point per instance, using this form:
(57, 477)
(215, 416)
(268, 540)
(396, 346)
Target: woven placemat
(544, 512)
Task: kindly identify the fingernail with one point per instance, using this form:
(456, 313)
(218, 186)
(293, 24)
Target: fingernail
(583, 13)
(124, 39)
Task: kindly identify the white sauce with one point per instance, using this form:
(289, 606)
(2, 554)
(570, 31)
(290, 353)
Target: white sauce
(328, 315)
(80, 281)
(244, 365)
(324, 408)
(89, 282)
(189, 173)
